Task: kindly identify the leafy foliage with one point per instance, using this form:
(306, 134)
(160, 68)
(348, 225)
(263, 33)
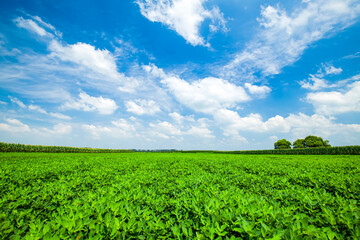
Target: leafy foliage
(314, 141)
(178, 196)
(345, 150)
(300, 143)
(16, 147)
(282, 144)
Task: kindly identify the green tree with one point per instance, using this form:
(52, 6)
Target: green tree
(300, 143)
(314, 141)
(282, 144)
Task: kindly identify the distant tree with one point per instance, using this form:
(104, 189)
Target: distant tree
(314, 141)
(300, 143)
(326, 143)
(282, 144)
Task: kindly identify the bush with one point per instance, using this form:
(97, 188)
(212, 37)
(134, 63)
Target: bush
(282, 144)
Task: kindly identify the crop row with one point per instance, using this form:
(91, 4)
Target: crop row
(345, 150)
(178, 196)
(16, 147)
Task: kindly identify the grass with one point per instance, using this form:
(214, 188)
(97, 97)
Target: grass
(178, 196)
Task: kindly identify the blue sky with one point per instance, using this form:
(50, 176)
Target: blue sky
(184, 74)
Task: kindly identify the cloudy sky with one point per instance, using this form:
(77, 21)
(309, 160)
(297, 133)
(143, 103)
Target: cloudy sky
(184, 74)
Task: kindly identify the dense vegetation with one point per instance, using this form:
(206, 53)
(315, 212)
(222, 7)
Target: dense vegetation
(178, 196)
(346, 150)
(15, 147)
(308, 142)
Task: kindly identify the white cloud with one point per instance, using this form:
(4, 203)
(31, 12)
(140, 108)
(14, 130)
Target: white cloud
(185, 128)
(252, 122)
(89, 64)
(36, 108)
(165, 128)
(329, 70)
(41, 110)
(181, 119)
(273, 138)
(352, 56)
(206, 95)
(62, 128)
(14, 125)
(303, 125)
(260, 91)
(124, 125)
(58, 129)
(88, 103)
(95, 131)
(31, 26)
(314, 83)
(3, 103)
(17, 101)
(298, 125)
(201, 131)
(47, 25)
(86, 55)
(154, 71)
(142, 106)
(4, 51)
(59, 115)
(285, 36)
(183, 16)
(335, 102)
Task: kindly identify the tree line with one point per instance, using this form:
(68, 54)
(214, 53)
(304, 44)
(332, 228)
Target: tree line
(308, 142)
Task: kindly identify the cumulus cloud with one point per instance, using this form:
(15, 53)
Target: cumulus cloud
(142, 106)
(14, 125)
(299, 125)
(284, 36)
(165, 128)
(124, 125)
(58, 129)
(200, 130)
(183, 16)
(206, 95)
(88, 63)
(88, 103)
(252, 122)
(260, 91)
(184, 126)
(180, 119)
(336, 102)
(95, 131)
(87, 56)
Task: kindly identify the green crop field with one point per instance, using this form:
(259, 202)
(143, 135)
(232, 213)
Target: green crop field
(178, 196)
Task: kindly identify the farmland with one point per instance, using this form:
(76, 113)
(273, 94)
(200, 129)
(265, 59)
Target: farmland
(178, 196)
